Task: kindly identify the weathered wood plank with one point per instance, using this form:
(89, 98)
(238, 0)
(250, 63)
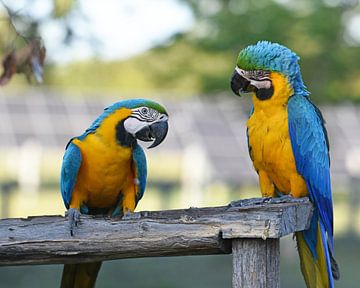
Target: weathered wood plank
(256, 263)
(46, 239)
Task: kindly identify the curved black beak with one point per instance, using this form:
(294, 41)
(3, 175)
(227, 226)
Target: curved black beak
(239, 84)
(157, 131)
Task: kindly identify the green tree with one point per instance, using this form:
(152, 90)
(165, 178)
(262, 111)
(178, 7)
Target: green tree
(21, 46)
(315, 29)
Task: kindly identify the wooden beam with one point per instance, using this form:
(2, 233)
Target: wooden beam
(46, 239)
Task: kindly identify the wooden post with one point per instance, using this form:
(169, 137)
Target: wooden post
(256, 263)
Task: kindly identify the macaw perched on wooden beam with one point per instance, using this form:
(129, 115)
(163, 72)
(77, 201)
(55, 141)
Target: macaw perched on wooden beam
(289, 147)
(104, 170)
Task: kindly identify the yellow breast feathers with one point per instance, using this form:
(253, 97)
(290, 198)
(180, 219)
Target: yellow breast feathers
(269, 141)
(106, 169)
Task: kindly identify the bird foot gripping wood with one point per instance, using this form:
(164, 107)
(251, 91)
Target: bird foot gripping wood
(74, 218)
(282, 199)
(128, 215)
(265, 200)
(249, 202)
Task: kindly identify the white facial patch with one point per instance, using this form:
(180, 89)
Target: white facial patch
(265, 84)
(257, 78)
(133, 125)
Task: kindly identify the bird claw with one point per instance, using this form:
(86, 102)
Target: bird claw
(74, 218)
(282, 199)
(128, 215)
(249, 202)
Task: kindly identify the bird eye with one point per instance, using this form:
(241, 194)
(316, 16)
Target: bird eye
(144, 111)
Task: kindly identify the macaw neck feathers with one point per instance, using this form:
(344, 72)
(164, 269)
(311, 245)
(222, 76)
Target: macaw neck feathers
(124, 138)
(109, 127)
(282, 91)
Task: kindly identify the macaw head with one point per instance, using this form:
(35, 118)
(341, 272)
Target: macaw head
(259, 66)
(148, 121)
(126, 121)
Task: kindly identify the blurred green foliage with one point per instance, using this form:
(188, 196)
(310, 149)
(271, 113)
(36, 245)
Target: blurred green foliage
(177, 69)
(201, 61)
(21, 47)
(19, 26)
(317, 30)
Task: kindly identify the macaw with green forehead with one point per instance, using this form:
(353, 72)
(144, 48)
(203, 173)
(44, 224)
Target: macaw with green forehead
(104, 170)
(289, 148)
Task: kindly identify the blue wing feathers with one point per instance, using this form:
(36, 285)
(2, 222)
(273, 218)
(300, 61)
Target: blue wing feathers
(327, 255)
(310, 147)
(310, 235)
(141, 170)
(69, 170)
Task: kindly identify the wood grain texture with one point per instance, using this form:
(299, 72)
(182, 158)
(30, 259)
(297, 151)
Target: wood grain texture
(46, 239)
(256, 263)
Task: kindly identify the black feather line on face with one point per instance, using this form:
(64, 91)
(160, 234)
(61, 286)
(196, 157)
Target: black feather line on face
(258, 75)
(142, 119)
(261, 76)
(264, 93)
(124, 138)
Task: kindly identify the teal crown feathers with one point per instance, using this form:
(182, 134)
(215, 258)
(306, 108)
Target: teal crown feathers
(265, 55)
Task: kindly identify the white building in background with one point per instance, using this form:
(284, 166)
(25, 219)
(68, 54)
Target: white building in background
(208, 134)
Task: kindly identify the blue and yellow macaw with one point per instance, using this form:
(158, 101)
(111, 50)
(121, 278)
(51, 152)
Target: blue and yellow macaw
(104, 170)
(289, 148)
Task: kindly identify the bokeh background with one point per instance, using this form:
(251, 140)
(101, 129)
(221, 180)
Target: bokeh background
(181, 53)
